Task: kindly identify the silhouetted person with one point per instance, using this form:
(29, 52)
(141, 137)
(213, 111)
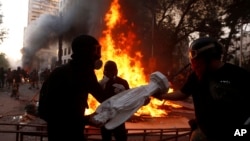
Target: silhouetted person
(113, 84)
(17, 79)
(66, 91)
(9, 78)
(220, 94)
(44, 75)
(2, 77)
(34, 78)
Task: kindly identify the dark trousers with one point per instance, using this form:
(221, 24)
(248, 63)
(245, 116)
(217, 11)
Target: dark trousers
(120, 133)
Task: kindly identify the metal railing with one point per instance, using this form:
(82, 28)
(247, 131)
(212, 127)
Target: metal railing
(169, 134)
(93, 134)
(21, 130)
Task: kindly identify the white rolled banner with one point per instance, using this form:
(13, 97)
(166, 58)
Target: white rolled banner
(120, 107)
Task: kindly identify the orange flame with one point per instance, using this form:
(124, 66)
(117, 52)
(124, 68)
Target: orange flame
(117, 47)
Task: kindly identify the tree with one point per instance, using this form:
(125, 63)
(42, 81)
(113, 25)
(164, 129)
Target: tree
(238, 13)
(3, 61)
(167, 26)
(3, 31)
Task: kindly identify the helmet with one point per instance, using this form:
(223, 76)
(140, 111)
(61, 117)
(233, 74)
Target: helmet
(205, 47)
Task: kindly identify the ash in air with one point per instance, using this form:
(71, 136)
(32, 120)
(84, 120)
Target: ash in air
(78, 16)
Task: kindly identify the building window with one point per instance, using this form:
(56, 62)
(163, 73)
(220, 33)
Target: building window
(65, 51)
(69, 50)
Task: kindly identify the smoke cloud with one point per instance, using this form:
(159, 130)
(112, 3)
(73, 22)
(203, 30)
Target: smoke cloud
(78, 16)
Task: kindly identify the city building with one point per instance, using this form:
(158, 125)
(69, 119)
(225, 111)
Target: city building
(38, 7)
(242, 53)
(73, 17)
(65, 47)
(45, 58)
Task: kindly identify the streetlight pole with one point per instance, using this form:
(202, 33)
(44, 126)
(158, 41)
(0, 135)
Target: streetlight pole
(60, 44)
(241, 43)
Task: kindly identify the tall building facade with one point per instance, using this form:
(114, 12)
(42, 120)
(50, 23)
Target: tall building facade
(65, 46)
(39, 7)
(45, 58)
(67, 10)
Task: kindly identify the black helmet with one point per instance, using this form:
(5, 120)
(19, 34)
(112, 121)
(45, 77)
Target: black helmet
(205, 47)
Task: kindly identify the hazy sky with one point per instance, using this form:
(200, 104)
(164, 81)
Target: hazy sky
(15, 17)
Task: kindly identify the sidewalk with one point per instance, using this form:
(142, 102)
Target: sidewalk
(10, 106)
(12, 109)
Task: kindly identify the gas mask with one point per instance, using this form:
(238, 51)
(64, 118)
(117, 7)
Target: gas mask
(98, 64)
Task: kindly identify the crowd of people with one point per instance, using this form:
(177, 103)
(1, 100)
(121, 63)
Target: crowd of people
(11, 79)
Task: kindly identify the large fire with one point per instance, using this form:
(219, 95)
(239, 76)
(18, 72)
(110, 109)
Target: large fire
(118, 47)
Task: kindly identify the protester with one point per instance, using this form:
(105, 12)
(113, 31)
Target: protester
(113, 84)
(34, 78)
(220, 93)
(16, 82)
(2, 77)
(63, 96)
(9, 78)
(44, 75)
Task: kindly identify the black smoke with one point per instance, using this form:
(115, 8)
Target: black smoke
(79, 16)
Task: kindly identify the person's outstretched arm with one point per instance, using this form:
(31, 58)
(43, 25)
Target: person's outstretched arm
(175, 96)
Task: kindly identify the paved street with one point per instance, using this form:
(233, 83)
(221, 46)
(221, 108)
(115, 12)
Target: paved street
(11, 106)
(12, 110)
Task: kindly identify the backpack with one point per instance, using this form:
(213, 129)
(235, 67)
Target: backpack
(43, 102)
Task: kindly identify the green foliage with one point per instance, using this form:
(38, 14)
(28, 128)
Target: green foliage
(3, 61)
(3, 31)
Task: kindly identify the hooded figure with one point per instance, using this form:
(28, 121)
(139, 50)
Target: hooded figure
(86, 51)
(63, 96)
